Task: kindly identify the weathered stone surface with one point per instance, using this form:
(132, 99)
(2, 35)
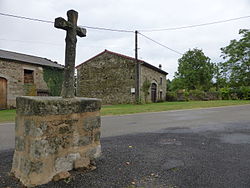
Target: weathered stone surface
(32, 130)
(56, 105)
(19, 143)
(154, 77)
(97, 136)
(91, 123)
(110, 76)
(66, 163)
(72, 31)
(15, 161)
(94, 152)
(107, 77)
(61, 175)
(84, 140)
(51, 144)
(41, 148)
(13, 72)
(82, 163)
(29, 167)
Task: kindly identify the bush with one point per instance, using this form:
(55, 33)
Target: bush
(235, 94)
(186, 95)
(213, 95)
(225, 93)
(171, 96)
(242, 93)
(197, 95)
(245, 92)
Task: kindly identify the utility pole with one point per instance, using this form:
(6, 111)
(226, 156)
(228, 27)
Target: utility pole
(137, 70)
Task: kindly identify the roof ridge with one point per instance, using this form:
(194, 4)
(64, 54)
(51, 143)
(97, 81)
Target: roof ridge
(27, 58)
(127, 57)
(30, 55)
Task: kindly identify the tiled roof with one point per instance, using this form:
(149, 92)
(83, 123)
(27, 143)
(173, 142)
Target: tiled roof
(7, 55)
(127, 57)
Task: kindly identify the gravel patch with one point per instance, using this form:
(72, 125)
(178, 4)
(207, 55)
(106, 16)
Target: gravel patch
(164, 159)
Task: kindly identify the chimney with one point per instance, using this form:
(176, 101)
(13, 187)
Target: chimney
(159, 66)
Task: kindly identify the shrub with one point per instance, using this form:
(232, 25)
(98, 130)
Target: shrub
(235, 94)
(171, 96)
(225, 93)
(186, 95)
(197, 95)
(213, 94)
(245, 92)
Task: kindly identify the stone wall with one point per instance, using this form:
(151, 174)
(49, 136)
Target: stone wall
(154, 77)
(53, 136)
(13, 72)
(108, 77)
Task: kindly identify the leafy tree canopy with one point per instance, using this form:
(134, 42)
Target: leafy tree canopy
(195, 71)
(236, 67)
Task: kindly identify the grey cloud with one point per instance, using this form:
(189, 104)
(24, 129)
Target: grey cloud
(124, 14)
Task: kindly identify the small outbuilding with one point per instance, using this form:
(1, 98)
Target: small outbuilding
(22, 74)
(111, 77)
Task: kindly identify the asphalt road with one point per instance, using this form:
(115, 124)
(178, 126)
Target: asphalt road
(210, 118)
(189, 148)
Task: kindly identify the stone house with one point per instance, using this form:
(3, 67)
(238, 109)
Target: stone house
(22, 74)
(111, 77)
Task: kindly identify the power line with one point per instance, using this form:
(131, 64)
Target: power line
(160, 44)
(51, 22)
(130, 31)
(108, 29)
(26, 18)
(196, 25)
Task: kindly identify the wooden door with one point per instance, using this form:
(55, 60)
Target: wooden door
(153, 92)
(3, 93)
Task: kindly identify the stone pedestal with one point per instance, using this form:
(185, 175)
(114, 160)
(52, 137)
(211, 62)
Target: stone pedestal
(54, 135)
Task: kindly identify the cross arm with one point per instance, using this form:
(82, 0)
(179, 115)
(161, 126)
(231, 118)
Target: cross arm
(61, 23)
(81, 32)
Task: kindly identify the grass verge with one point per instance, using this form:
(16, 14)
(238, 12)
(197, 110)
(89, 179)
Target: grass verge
(121, 109)
(166, 106)
(7, 116)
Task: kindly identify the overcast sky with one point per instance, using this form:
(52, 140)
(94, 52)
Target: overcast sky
(42, 39)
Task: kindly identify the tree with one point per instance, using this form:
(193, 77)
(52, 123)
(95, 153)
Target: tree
(176, 84)
(145, 87)
(195, 71)
(168, 85)
(220, 77)
(237, 60)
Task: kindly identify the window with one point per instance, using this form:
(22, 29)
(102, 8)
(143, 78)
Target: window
(161, 95)
(160, 80)
(28, 76)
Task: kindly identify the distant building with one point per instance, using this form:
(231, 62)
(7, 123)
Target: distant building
(111, 77)
(22, 74)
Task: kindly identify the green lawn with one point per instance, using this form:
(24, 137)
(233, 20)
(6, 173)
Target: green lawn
(9, 115)
(165, 106)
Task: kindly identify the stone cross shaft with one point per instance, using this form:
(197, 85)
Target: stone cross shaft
(70, 52)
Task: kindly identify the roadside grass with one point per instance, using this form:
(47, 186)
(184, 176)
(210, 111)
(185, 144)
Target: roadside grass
(122, 109)
(7, 116)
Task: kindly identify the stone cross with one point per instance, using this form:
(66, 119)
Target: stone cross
(72, 31)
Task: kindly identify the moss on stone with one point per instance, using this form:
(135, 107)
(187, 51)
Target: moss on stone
(54, 79)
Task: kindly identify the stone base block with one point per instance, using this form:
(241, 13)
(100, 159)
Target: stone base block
(53, 136)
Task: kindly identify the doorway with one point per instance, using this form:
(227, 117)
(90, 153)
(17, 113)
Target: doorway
(153, 92)
(3, 93)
